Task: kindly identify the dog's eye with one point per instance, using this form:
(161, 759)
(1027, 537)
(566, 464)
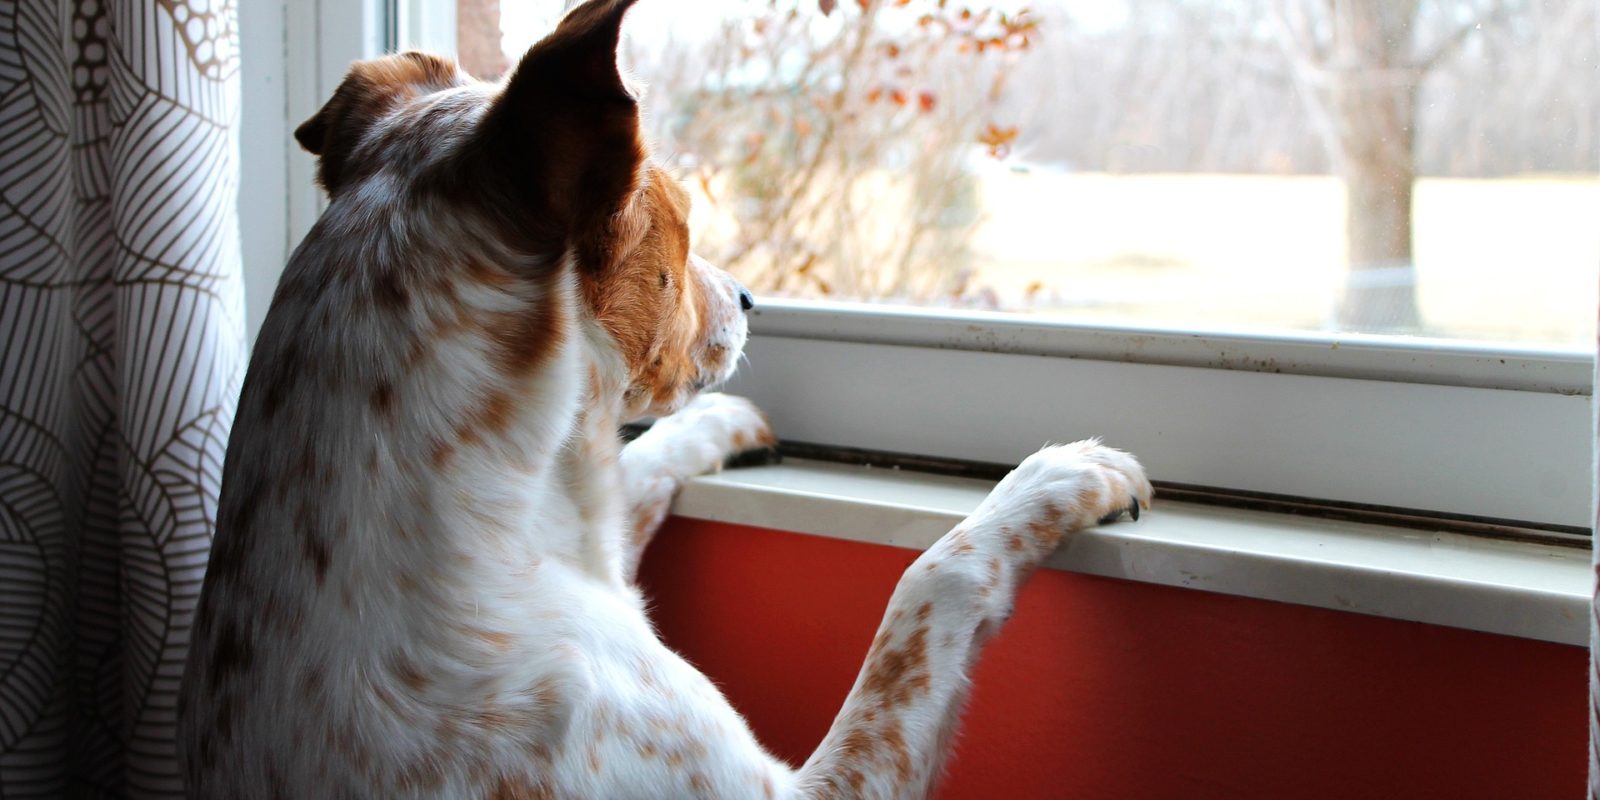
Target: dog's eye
(666, 278)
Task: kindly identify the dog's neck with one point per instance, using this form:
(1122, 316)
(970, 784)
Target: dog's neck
(590, 459)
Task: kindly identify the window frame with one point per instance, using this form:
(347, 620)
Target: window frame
(1350, 419)
(1344, 418)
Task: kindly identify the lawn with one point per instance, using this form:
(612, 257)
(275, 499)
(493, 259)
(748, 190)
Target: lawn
(1503, 259)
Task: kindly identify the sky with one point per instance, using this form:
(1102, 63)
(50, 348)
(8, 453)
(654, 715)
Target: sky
(524, 21)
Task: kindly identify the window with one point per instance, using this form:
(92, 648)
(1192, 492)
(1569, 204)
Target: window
(1420, 167)
(1342, 255)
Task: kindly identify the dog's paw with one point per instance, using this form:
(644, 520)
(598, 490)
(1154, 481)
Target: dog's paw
(1063, 489)
(708, 431)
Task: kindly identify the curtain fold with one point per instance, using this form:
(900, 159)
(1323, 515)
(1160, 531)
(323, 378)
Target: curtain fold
(121, 354)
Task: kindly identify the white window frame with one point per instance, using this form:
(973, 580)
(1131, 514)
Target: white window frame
(293, 54)
(1455, 428)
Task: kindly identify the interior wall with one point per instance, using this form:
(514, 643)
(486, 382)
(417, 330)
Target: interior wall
(1101, 688)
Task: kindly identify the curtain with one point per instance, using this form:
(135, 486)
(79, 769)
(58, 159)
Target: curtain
(121, 355)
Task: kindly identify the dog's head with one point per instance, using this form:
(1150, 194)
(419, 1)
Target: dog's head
(553, 161)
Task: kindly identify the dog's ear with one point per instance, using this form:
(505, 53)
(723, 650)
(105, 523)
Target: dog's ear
(369, 90)
(568, 122)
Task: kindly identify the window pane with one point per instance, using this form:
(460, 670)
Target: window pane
(1421, 167)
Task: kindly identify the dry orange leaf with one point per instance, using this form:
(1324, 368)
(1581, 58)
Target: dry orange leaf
(998, 139)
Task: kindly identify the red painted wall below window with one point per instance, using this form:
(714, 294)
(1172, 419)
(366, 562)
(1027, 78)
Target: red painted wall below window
(1101, 688)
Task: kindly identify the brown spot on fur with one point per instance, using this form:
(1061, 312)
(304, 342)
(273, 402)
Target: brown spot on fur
(232, 653)
(1046, 534)
(223, 718)
(522, 340)
(382, 401)
(492, 718)
(699, 784)
(368, 91)
(495, 413)
(520, 788)
(386, 697)
(409, 674)
(448, 730)
(960, 542)
(391, 291)
(419, 348)
(485, 273)
(898, 675)
(895, 742)
(441, 453)
(306, 466)
(279, 379)
(311, 683)
(497, 640)
(316, 551)
(855, 781)
(1048, 530)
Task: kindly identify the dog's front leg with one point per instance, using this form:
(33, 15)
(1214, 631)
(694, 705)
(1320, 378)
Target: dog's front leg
(890, 737)
(694, 441)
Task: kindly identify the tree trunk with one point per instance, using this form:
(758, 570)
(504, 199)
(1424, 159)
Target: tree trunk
(478, 38)
(1374, 88)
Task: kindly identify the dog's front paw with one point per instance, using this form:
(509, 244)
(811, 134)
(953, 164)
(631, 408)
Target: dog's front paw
(710, 429)
(1066, 488)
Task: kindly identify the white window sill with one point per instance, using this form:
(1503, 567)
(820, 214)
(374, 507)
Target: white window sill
(1534, 591)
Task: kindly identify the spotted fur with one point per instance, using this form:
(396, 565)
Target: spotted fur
(422, 583)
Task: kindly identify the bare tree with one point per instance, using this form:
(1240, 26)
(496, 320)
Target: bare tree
(1361, 64)
(838, 147)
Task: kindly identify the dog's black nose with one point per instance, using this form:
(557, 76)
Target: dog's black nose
(747, 300)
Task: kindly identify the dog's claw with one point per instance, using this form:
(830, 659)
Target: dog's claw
(759, 457)
(1131, 511)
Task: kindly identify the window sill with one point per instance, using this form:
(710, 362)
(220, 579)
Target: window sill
(1533, 591)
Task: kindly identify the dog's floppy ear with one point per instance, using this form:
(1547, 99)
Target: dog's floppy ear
(369, 90)
(569, 122)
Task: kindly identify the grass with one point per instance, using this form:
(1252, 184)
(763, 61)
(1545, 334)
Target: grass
(1514, 260)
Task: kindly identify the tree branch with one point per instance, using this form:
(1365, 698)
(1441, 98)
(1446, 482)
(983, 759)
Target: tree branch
(1447, 46)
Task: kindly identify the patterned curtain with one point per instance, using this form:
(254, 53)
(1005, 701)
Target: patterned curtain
(121, 354)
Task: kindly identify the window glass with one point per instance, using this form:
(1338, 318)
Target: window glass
(1410, 167)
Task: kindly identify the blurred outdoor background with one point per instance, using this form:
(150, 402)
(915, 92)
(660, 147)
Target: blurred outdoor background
(1426, 167)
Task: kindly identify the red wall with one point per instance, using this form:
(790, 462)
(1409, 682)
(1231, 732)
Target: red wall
(1102, 688)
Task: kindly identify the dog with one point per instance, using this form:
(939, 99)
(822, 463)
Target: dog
(422, 581)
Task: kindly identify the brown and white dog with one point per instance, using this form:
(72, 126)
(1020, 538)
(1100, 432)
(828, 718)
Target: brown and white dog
(422, 583)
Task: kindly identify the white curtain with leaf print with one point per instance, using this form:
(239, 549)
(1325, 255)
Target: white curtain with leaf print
(121, 353)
